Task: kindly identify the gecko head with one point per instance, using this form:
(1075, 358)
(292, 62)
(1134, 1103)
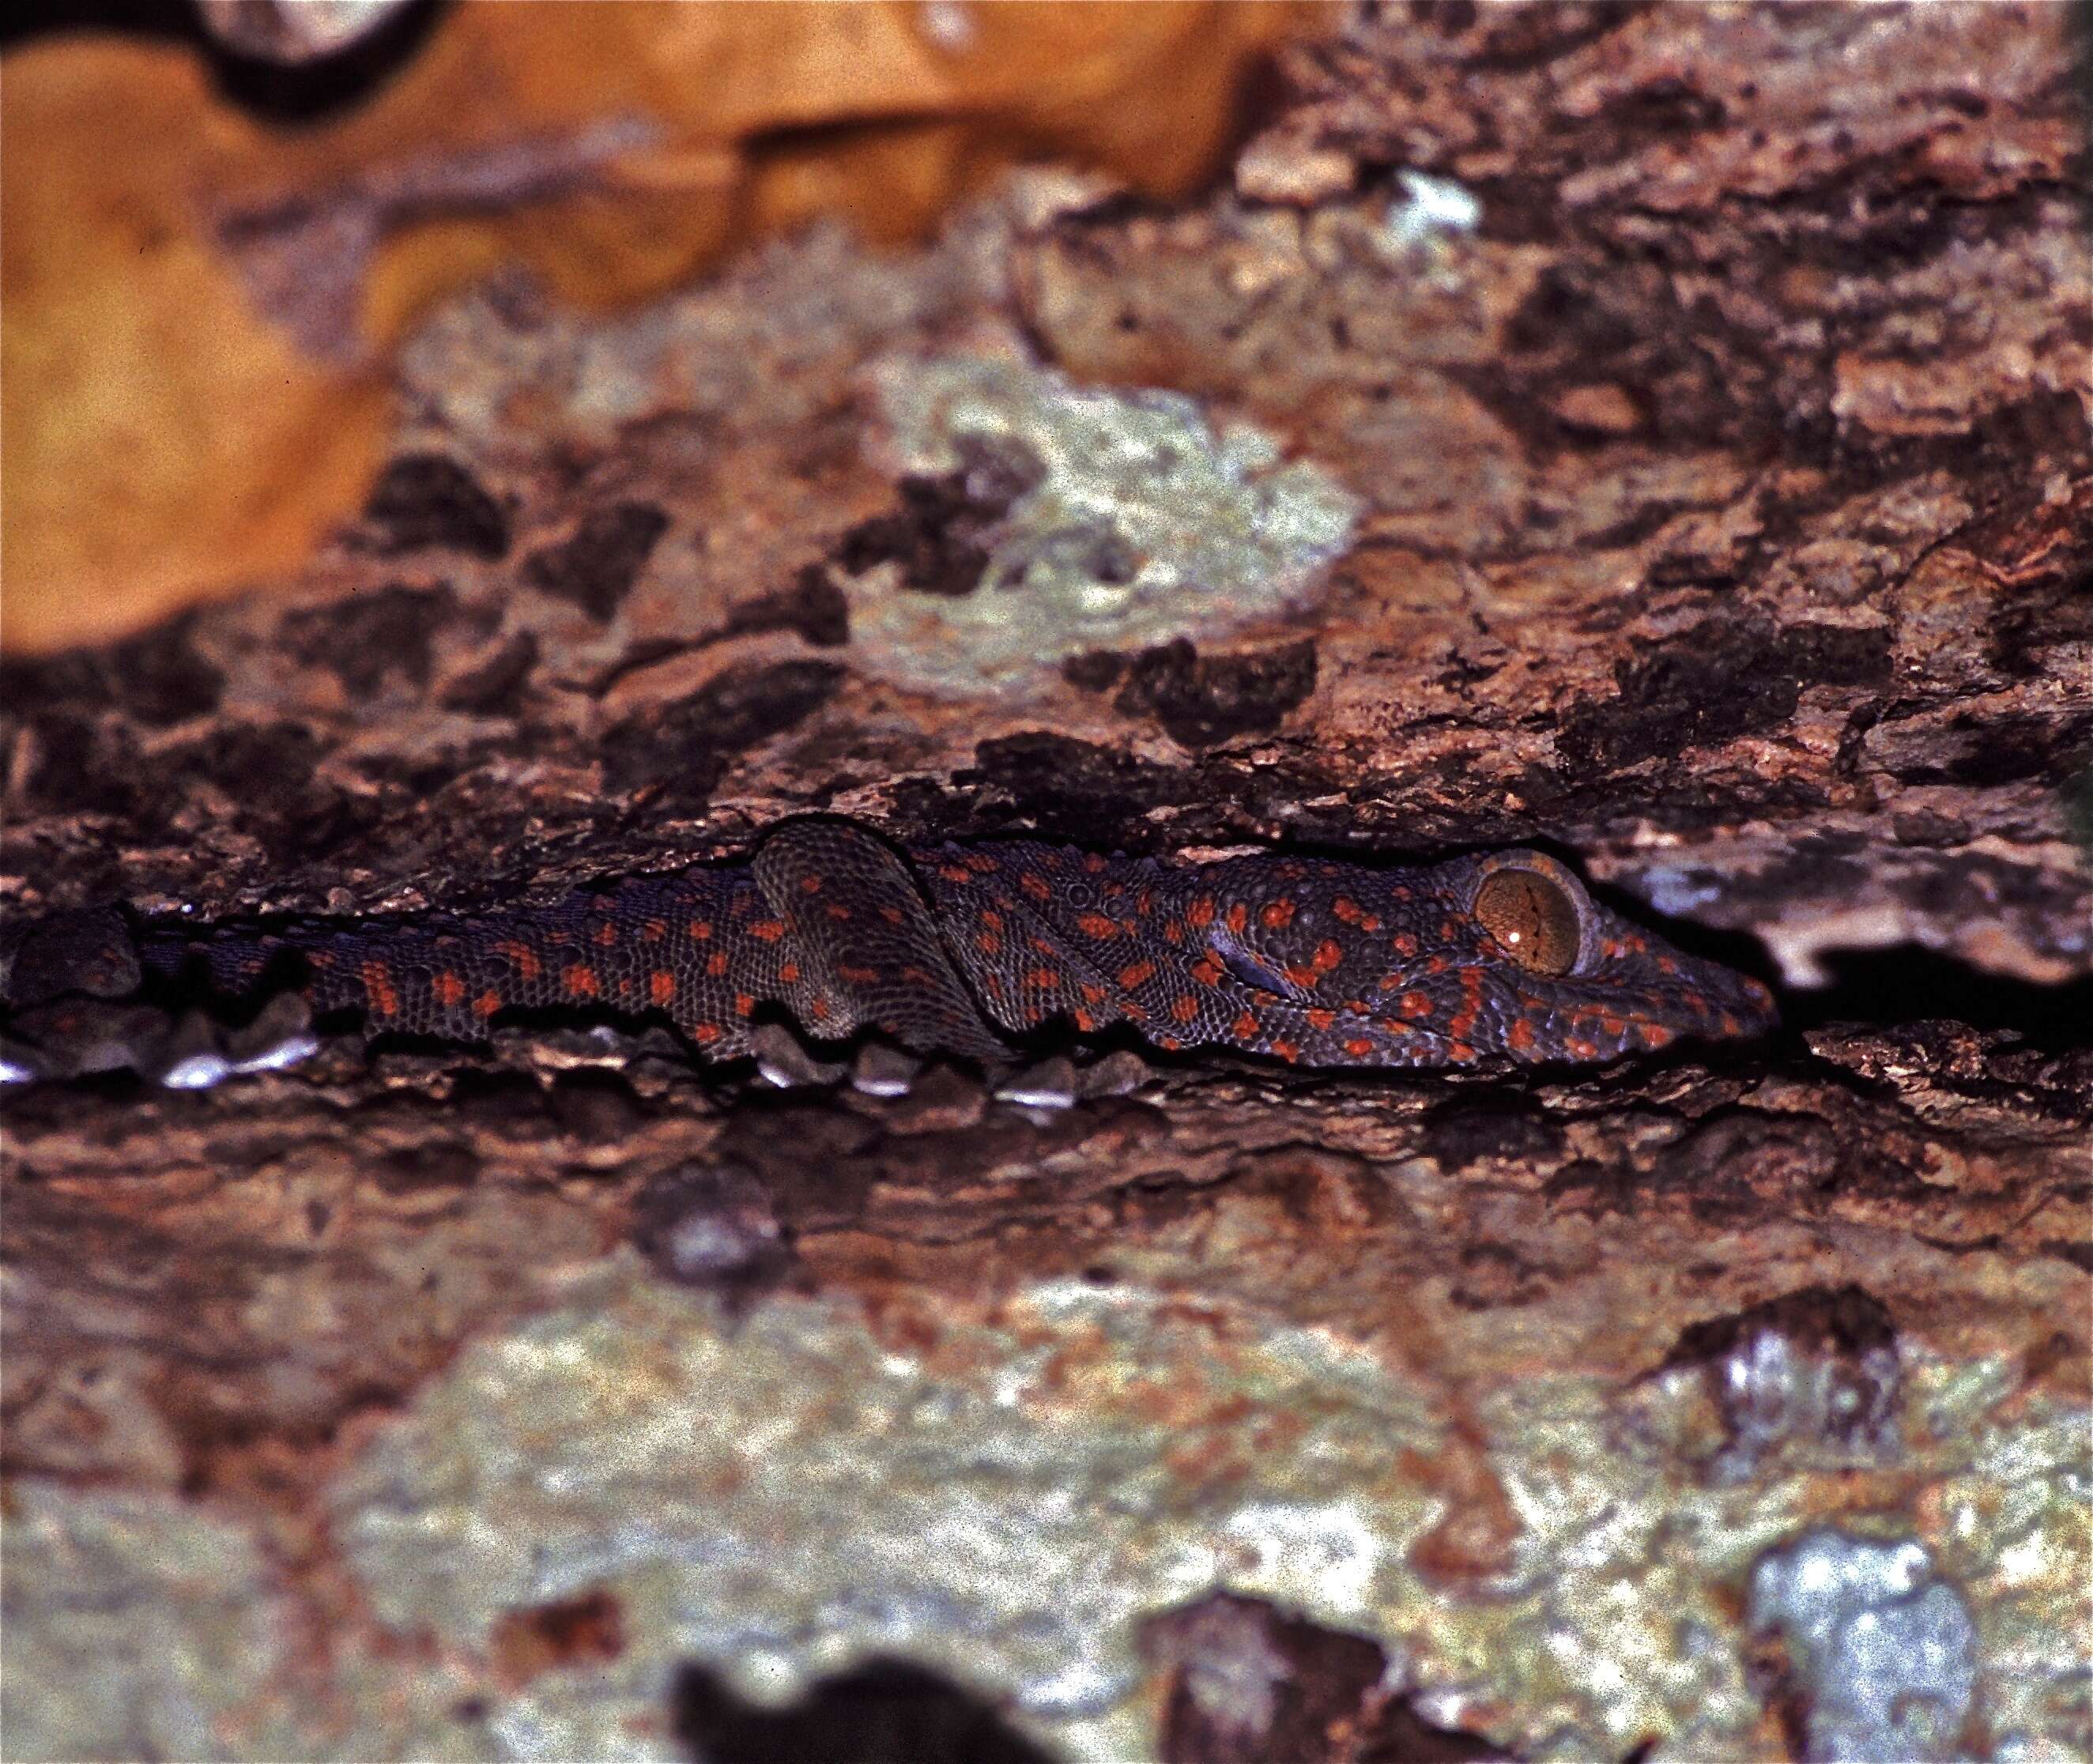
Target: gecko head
(1540, 972)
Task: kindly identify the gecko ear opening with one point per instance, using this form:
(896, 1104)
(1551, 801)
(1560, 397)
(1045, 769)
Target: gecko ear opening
(1533, 917)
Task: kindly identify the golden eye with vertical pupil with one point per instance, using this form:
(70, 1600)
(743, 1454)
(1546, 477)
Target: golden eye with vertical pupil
(1532, 919)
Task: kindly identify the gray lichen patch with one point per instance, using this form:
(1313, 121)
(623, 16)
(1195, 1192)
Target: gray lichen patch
(1143, 521)
(1883, 1649)
(134, 1625)
(787, 1501)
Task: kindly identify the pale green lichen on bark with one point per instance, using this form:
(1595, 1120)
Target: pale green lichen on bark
(1149, 521)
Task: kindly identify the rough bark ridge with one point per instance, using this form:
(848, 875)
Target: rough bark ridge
(1700, 397)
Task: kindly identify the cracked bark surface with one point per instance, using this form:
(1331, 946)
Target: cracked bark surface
(1726, 509)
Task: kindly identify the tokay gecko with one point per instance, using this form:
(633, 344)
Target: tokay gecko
(1486, 960)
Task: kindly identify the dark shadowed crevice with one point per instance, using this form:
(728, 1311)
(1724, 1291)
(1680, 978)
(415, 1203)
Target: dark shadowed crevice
(884, 1711)
(1908, 985)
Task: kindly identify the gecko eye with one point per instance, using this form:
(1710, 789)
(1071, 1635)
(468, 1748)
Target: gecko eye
(1532, 918)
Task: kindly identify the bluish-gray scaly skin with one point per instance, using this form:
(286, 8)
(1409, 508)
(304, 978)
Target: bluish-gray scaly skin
(970, 949)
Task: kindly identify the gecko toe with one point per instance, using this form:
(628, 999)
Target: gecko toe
(785, 1064)
(880, 1070)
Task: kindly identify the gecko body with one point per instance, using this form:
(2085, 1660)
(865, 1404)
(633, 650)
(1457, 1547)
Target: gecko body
(1498, 959)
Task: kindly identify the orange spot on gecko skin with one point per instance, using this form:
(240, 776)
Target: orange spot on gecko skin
(716, 964)
(448, 989)
(1327, 955)
(1045, 979)
(705, 1034)
(1614, 1025)
(991, 918)
(1094, 993)
(789, 974)
(377, 986)
(701, 929)
(1353, 913)
(1035, 886)
(580, 980)
(1168, 1044)
(1172, 932)
(837, 910)
(661, 986)
(1302, 975)
(1207, 971)
(769, 929)
(653, 931)
(1519, 1036)
(1238, 920)
(1464, 1025)
(1244, 1028)
(743, 1005)
(1278, 915)
(485, 1004)
(1319, 1018)
(980, 863)
(1359, 1047)
(1414, 1005)
(810, 885)
(1136, 973)
(892, 915)
(1093, 863)
(1183, 1006)
(526, 958)
(1403, 943)
(1200, 914)
(818, 1009)
(988, 942)
(1285, 1050)
(1084, 1020)
(1096, 925)
(606, 933)
(952, 873)
(1656, 1035)
(855, 975)
(1144, 902)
